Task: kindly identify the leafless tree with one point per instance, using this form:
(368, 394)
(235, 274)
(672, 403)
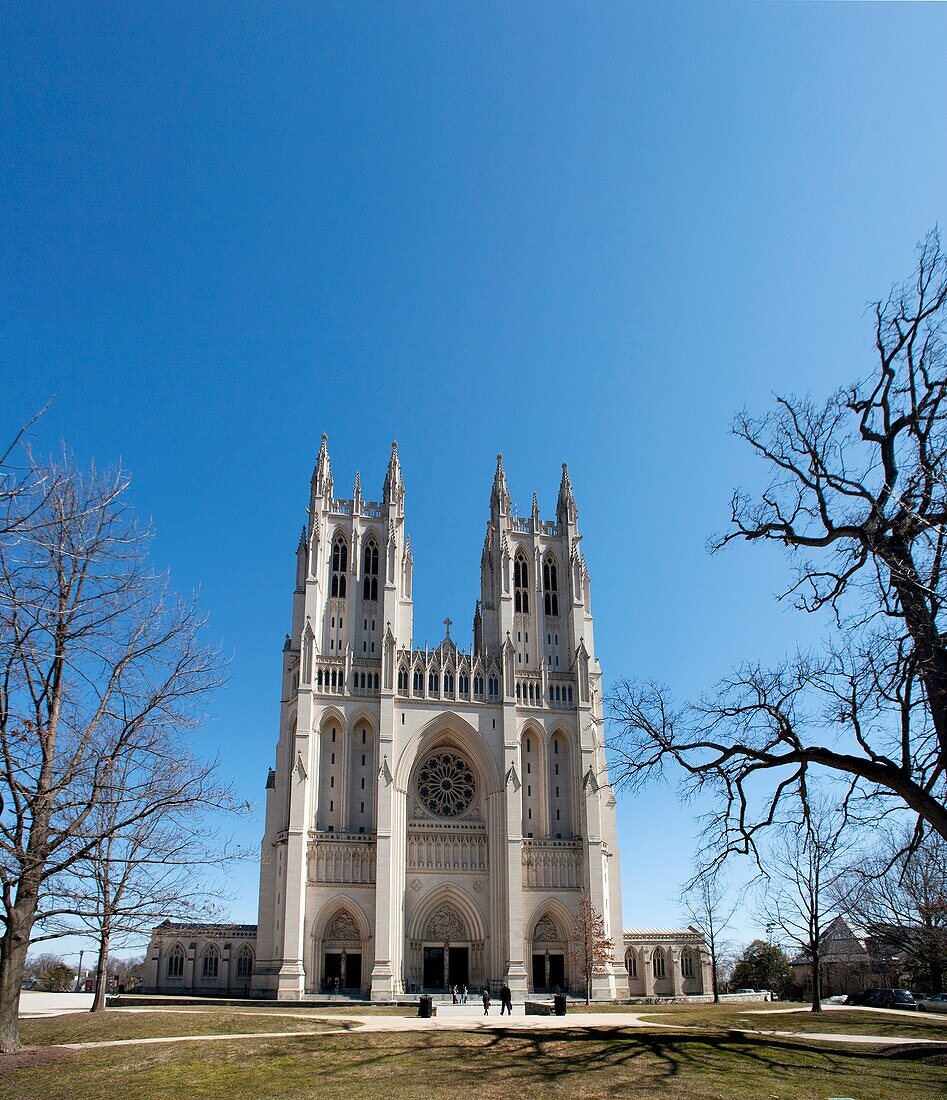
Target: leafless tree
(160, 865)
(591, 949)
(805, 860)
(97, 658)
(858, 497)
(899, 896)
(709, 906)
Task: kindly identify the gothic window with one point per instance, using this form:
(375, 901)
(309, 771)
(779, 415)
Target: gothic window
(520, 584)
(631, 964)
(432, 682)
(478, 685)
(446, 784)
(660, 969)
(244, 962)
(418, 681)
(550, 587)
(340, 559)
(402, 679)
(176, 962)
(210, 962)
(687, 964)
(370, 582)
(464, 684)
(448, 683)
(494, 685)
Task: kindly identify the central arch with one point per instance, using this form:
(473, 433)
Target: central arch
(446, 940)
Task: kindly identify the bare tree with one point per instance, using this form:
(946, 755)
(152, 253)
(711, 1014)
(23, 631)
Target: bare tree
(157, 866)
(899, 896)
(97, 658)
(709, 908)
(805, 861)
(858, 497)
(591, 948)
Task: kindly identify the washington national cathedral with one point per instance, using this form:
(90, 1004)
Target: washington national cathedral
(434, 815)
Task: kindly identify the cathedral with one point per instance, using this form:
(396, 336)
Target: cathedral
(434, 815)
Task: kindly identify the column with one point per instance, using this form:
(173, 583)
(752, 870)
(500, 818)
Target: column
(509, 819)
(675, 957)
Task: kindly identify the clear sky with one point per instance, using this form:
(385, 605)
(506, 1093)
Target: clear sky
(567, 232)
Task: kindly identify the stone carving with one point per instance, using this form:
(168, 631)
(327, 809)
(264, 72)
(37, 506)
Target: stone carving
(446, 925)
(446, 785)
(546, 932)
(343, 927)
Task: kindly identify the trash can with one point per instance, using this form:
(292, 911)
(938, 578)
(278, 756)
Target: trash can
(425, 1007)
(559, 1004)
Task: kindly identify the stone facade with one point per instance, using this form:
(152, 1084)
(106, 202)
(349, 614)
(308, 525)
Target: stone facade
(667, 962)
(209, 959)
(435, 814)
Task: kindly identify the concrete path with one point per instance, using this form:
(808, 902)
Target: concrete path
(53, 1004)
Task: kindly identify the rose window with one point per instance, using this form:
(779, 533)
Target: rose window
(446, 785)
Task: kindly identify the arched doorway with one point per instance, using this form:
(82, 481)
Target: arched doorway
(342, 954)
(445, 950)
(548, 956)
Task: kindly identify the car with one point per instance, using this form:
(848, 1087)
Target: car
(894, 998)
(744, 991)
(767, 993)
(935, 1003)
(862, 997)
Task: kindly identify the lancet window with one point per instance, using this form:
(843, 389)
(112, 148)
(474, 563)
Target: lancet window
(210, 962)
(176, 962)
(370, 580)
(340, 559)
(244, 962)
(520, 584)
(550, 586)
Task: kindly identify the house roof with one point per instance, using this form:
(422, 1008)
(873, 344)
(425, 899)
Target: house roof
(170, 928)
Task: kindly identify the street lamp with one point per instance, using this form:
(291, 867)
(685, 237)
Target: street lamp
(79, 975)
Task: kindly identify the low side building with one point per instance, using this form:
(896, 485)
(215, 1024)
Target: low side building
(200, 959)
(667, 962)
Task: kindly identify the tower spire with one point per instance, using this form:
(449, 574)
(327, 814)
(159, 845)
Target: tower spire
(322, 472)
(566, 510)
(500, 495)
(394, 483)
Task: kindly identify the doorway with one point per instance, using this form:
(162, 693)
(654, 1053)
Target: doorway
(347, 968)
(433, 977)
(458, 972)
(549, 971)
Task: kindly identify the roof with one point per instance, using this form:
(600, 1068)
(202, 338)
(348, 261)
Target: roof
(663, 933)
(170, 928)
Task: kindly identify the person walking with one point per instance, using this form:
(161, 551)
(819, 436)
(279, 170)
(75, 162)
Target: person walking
(463, 996)
(486, 1001)
(453, 994)
(506, 1001)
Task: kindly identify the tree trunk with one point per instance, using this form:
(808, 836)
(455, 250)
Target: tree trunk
(816, 982)
(101, 971)
(14, 945)
(715, 985)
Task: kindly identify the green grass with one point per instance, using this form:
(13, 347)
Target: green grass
(572, 1065)
(91, 1027)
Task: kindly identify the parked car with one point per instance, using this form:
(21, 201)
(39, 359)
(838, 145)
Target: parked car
(862, 997)
(767, 993)
(936, 1003)
(744, 991)
(894, 998)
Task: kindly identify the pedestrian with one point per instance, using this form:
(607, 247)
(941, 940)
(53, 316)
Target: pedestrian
(463, 996)
(453, 994)
(486, 1001)
(506, 1001)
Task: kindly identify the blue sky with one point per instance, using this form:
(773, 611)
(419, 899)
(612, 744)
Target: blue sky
(567, 232)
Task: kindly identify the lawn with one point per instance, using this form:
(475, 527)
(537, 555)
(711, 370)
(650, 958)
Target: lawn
(578, 1065)
(91, 1027)
(909, 1024)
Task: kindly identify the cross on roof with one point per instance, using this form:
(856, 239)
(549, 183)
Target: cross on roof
(447, 624)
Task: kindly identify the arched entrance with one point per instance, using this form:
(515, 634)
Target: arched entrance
(341, 954)
(445, 951)
(548, 956)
